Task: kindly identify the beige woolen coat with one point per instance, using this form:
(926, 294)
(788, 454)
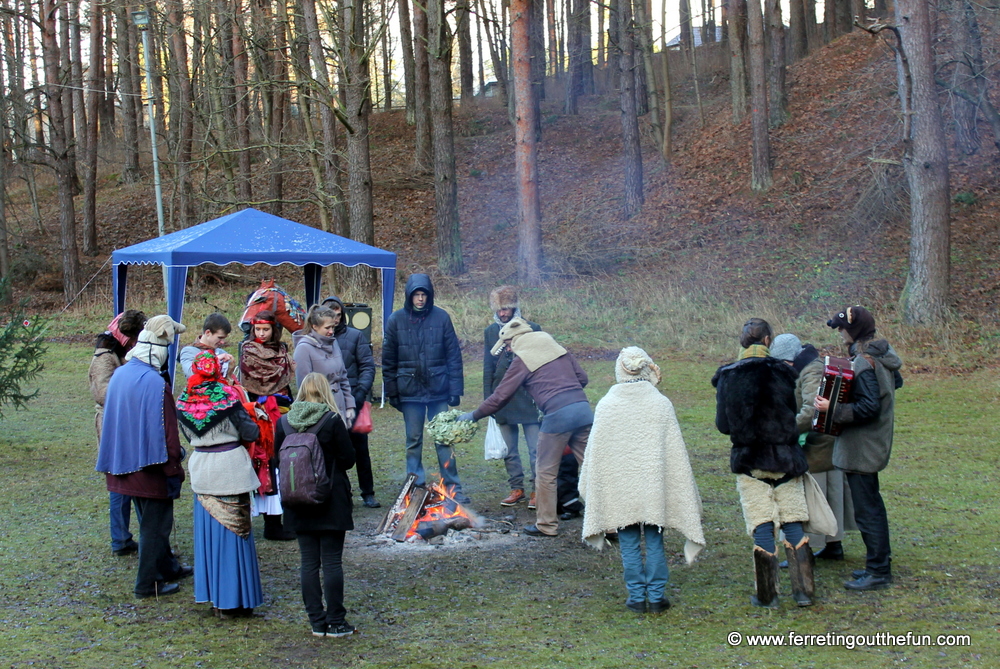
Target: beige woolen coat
(636, 468)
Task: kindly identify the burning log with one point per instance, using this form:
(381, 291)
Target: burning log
(428, 529)
(428, 512)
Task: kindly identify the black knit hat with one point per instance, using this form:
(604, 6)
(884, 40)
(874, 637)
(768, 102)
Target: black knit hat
(857, 321)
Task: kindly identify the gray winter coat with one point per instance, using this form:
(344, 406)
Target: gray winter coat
(865, 443)
(314, 353)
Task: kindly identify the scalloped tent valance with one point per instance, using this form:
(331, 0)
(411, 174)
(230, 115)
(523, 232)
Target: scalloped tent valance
(249, 237)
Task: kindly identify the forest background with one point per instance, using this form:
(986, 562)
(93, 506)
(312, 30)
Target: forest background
(636, 194)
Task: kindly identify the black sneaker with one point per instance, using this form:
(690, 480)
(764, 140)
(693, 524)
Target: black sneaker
(370, 501)
(660, 606)
(637, 606)
(319, 630)
(160, 589)
(340, 630)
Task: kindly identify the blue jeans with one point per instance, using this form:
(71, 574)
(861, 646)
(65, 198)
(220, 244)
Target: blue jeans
(643, 581)
(512, 461)
(413, 421)
(119, 511)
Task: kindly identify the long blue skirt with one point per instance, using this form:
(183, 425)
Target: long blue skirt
(225, 566)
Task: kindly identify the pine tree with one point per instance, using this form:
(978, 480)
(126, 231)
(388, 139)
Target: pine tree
(21, 351)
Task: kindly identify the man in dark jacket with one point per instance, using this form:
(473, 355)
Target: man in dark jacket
(863, 446)
(140, 453)
(357, 353)
(521, 410)
(422, 371)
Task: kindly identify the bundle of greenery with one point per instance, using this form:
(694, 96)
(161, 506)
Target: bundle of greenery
(445, 428)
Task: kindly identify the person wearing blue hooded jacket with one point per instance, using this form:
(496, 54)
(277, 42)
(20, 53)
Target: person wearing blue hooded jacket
(422, 372)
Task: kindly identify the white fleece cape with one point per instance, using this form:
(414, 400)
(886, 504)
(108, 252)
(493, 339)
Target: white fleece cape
(636, 468)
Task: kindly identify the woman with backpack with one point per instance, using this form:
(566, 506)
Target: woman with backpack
(320, 527)
(213, 420)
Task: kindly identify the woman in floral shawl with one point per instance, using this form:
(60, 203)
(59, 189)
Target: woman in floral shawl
(265, 366)
(214, 421)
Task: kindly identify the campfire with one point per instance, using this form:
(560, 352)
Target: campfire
(424, 512)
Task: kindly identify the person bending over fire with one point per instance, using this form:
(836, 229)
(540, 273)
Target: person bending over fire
(555, 381)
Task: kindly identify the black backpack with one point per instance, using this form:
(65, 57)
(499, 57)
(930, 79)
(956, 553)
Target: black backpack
(302, 476)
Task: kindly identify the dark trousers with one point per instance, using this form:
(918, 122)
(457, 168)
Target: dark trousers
(872, 521)
(363, 463)
(324, 549)
(156, 562)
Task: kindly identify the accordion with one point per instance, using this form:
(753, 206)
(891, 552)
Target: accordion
(838, 374)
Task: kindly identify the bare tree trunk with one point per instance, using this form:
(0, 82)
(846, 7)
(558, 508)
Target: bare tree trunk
(778, 103)
(90, 145)
(424, 158)
(4, 237)
(643, 28)
(479, 47)
(359, 169)
(760, 179)
(279, 104)
(687, 39)
(925, 161)
(537, 41)
(668, 106)
(76, 82)
(799, 41)
(586, 48)
(244, 187)
(406, 41)
(449, 240)
(634, 197)
(466, 79)
(529, 230)
(59, 158)
(737, 59)
(550, 13)
(130, 138)
(968, 59)
(495, 41)
(332, 194)
(183, 105)
(601, 36)
(574, 82)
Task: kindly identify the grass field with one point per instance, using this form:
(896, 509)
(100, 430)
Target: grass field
(65, 601)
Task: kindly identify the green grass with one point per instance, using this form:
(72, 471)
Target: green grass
(66, 602)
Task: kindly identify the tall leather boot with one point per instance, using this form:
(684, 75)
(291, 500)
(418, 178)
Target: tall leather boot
(765, 578)
(274, 530)
(800, 568)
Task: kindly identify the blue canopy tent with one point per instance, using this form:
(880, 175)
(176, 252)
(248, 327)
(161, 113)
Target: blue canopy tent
(249, 237)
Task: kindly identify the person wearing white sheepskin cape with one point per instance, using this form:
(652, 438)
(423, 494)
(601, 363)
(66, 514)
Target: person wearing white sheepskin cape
(637, 473)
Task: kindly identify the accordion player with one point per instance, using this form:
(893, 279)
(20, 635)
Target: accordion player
(838, 374)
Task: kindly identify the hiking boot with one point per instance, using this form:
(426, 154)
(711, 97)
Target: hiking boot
(130, 548)
(858, 573)
(531, 502)
(660, 606)
(637, 606)
(834, 550)
(340, 630)
(516, 495)
(370, 501)
(869, 582)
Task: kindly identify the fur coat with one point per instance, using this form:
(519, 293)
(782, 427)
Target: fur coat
(756, 406)
(639, 473)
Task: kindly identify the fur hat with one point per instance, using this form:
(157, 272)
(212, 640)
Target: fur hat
(634, 364)
(155, 339)
(504, 297)
(857, 321)
(785, 347)
(515, 328)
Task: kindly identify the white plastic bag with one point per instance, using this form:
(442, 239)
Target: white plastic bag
(496, 447)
